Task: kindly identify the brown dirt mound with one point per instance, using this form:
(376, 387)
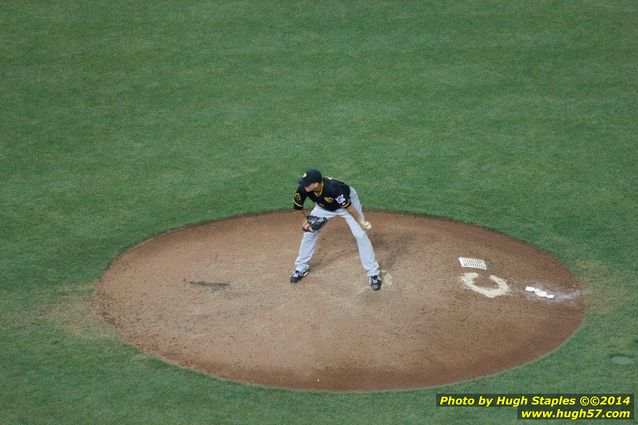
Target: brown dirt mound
(217, 298)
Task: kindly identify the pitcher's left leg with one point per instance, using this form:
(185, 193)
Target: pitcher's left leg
(366, 252)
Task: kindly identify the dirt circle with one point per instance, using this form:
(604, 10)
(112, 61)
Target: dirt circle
(217, 298)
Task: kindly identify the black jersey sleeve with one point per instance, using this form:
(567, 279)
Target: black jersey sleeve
(342, 194)
(343, 200)
(299, 198)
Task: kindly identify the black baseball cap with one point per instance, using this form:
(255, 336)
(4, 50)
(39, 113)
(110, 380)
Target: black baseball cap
(310, 176)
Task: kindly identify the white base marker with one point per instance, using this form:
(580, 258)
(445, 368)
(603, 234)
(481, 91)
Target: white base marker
(474, 263)
(539, 292)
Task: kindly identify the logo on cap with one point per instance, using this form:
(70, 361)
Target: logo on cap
(310, 176)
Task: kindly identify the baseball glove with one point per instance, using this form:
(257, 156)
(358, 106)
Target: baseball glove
(315, 223)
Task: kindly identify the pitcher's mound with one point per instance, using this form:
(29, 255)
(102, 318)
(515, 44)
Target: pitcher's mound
(217, 298)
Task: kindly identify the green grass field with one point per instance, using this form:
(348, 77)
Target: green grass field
(122, 120)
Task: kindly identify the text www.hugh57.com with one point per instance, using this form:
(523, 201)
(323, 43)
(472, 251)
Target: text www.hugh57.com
(573, 414)
(549, 406)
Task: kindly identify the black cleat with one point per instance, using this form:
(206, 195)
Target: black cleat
(375, 282)
(297, 276)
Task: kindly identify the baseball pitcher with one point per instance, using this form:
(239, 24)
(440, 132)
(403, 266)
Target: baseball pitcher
(333, 199)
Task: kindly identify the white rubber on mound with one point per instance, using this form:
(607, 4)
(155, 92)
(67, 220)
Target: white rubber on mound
(474, 263)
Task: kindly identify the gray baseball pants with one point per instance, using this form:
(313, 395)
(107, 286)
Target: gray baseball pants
(366, 252)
